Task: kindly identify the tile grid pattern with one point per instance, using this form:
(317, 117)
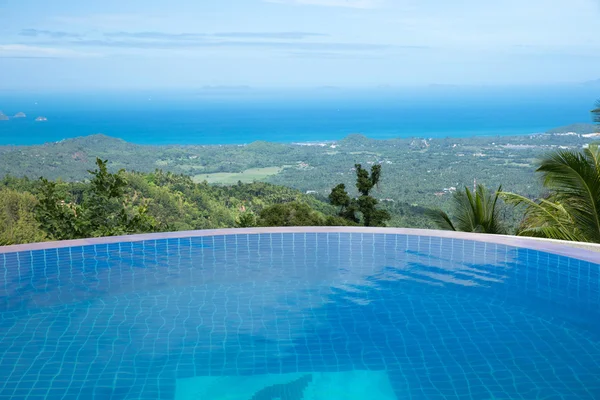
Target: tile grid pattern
(447, 318)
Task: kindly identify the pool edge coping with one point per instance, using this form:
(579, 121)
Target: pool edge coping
(576, 250)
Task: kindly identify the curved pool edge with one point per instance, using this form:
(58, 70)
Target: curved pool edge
(582, 251)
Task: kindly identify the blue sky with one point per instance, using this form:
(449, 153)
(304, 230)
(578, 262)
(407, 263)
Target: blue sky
(130, 44)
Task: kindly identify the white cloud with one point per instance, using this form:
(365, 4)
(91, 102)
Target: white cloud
(332, 3)
(27, 51)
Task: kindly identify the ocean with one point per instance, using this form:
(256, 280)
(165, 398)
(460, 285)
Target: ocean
(220, 116)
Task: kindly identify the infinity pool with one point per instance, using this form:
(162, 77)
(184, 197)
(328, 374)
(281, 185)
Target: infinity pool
(292, 316)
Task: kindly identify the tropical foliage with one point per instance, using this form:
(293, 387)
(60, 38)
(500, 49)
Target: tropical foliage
(571, 209)
(17, 220)
(103, 209)
(127, 202)
(365, 205)
(297, 214)
(476, 211)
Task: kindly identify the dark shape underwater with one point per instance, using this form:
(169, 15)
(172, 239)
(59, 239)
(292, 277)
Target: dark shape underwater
(293, 390)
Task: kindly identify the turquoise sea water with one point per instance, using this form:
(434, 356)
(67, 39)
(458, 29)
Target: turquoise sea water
(226, 118)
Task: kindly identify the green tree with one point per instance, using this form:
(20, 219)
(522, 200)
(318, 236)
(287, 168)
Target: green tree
(103, 209)
(56, 216)
(17, 218)
(365, 182)
(290, 214)
(102, 205)
(365, 204)
(372, 216)
(246, 219)
(571, 210)
(473, 212)
(106, 209)
(339, 197)
(338, 221)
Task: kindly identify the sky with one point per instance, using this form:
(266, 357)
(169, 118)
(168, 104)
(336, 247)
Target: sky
(178, 44)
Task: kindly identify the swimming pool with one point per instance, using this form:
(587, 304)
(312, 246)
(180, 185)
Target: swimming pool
(158, 316)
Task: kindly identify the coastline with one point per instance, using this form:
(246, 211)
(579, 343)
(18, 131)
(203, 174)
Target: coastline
(219, 129)
(289, 116)
(322, 143)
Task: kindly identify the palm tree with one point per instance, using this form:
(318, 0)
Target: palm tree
(473, 211)
(571, 211)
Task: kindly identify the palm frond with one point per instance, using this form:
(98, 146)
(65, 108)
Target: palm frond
(549, 232)
(474, 211)
(573, 178)
(592, 155)
(441, 219)
(544, 218)
(464, 206)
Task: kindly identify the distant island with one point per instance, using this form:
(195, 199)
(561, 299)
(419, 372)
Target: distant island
(20, 115)
(3, 117)
(41, 119)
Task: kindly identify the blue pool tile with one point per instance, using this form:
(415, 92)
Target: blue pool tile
(446, 318)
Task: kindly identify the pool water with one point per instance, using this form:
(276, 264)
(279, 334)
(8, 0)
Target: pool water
(436, 318)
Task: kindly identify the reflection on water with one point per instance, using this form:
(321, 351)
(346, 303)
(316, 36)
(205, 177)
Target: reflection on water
(311, 261)
(443, 318)
(348, 385)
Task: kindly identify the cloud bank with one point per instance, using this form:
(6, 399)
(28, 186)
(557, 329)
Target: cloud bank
(51, 34)
(296, 41)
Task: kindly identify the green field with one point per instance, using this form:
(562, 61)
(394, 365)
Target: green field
(248, 176)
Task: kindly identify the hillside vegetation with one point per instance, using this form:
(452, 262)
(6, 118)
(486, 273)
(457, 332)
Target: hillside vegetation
(173, 188)
(420, 172)
(131, 202)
